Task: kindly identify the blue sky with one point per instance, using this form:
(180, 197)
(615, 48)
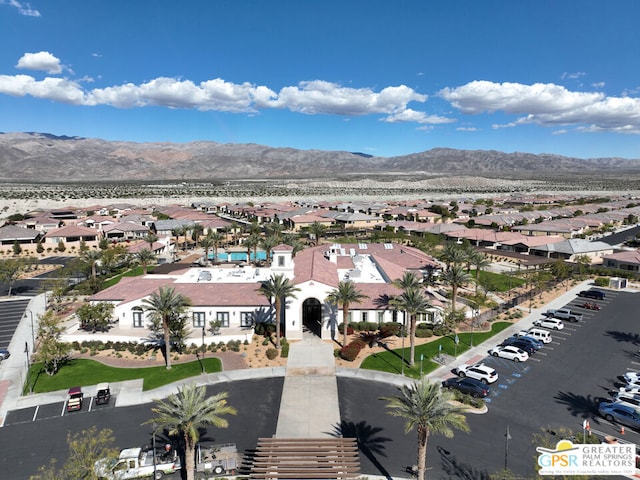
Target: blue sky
(381, 77)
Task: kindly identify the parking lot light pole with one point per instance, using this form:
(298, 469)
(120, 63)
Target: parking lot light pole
(153, 446)
(33, 337)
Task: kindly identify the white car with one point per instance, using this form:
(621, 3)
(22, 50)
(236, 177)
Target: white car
(630, 389)
(552, 323)
(632, 401)
(479, 371)
(510, 352)
(632, 378)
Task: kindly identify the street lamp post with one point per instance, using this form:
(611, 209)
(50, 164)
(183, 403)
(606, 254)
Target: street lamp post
(404, 321)
(507, 437)
(26, 351)
(153, 446)
(33, 337)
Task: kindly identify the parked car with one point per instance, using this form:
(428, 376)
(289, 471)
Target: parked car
(4, 354)
(509, 352)
(519, 343)
(629, 400)
(471, 386)
(479, 371)
(524, 335)
(103, 393)
(552, 323)
(74, 400)
(632, 378)
(630, 389)
(621, 414)
(595, 294)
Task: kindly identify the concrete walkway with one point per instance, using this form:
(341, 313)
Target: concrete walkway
(309, 406)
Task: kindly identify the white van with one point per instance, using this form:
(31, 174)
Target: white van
(539, 334)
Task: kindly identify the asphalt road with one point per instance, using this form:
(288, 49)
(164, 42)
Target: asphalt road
(557, 388)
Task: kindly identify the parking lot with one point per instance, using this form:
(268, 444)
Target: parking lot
(11, 312)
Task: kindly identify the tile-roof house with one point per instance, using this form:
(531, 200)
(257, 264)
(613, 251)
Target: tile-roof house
(9, 234)
(571, 248)
(627, 260)
(71, 234)
(232, 294)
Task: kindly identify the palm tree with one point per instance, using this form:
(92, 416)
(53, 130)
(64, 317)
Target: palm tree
(425, 406)
(318, 230)
(216, 237)
(92, 257)
(196, 232)
(184, 414)
(345, 295)
(452, 254)
(268, 243)
(252, 242)
(145, 256)
(165, 303)
(479, 261)
(151, 239)
(412, 301)
(207, 244)
(176, 232)
(278, 289)
(408, 280)
(455, 277)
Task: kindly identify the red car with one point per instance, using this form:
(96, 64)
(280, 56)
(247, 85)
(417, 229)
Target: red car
(74, 402)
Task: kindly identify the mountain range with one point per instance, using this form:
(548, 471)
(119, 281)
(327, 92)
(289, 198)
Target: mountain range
(48, 158)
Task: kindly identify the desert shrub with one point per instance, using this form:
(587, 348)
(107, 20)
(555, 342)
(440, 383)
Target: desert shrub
(265, 329)
(284, 351)
(390, 329)
(467, 399)
(349, 352)
(350, 329)
(601, 282)
(441, 330)
(366, 326)
(234, 345)
(361, 343)
(424, 332)
(271, 353)
(75, 345)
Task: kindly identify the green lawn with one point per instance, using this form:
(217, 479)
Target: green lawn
(90, 372)
(133, 272)
(391, 360)
(498, 282)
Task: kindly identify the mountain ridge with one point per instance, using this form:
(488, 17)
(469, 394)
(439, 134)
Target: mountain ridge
(46, 157)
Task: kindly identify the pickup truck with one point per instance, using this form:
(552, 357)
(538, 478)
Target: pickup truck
(137, 463)
(564, 314)
(217, 459)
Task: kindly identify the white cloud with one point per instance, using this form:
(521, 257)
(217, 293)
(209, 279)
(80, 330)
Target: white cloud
(482, 96)
(40, 61)
(57, 89)
(321, 97)
(414, 116)
(572, 76)
(23, 8)
(466, 129)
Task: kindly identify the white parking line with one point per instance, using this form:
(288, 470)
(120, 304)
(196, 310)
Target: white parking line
(35, 413)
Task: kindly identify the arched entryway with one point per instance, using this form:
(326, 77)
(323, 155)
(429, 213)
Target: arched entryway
(312, 316)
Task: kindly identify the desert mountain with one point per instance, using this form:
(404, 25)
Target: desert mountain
(49, 158)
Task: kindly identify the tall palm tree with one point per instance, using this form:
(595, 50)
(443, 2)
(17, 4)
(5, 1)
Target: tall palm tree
(145, 256)
(408, 280)
(268, 243)
(207, 244)
(165, 303)
(184, 414)
(412, 301)
(277, 289)
(480, 261)
(176, 232)
(216, 237)
(92, 257)
(318, 230)
(196, 232)
(151, 239)
(455, 277)
(427, 408)
(452, 254)
(345, 295)
(252, 242)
